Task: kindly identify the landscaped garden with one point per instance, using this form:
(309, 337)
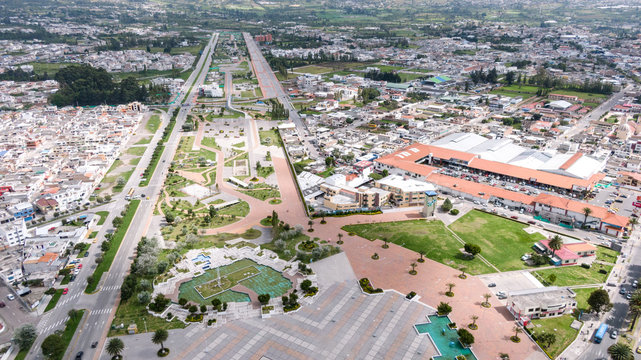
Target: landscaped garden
(430, 237)
(502, 241)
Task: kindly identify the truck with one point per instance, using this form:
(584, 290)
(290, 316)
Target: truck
(600, 333)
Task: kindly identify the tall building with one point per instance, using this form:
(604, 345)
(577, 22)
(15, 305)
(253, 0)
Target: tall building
(13, 233)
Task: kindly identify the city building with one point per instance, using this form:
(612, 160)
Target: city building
(550, 301)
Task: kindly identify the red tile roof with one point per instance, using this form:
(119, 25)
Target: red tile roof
(577, 206)
(566, 165)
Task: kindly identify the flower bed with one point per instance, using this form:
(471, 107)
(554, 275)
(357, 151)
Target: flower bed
(367, 287)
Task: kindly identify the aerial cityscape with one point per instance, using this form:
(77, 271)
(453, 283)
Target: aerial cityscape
(296, 179)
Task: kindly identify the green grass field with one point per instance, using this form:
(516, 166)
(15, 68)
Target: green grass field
(262, 194)
(210, 142)
(269, 137)
(502, 241)
(103, 216)
(136, 150)
(419, 235)
(560, 327)
(212, 287)
(153, 123)
(606, 254)
(582, 95)
(582, 296)
(574, 275)
(312, 69)
(131, 311)
(54, 300)
(116, 240)
(144, 141)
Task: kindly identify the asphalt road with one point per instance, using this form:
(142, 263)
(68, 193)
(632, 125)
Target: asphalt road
(100, 305)
(271, 88)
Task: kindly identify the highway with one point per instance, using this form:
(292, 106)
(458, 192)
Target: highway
(101, 306)
(271, 88)
(585, 121)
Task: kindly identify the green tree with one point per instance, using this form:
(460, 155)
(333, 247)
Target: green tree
(159, 337)
(24, 336)
(472, 249)
(447, 205)
(555, 244)
(620, 351)
(599, 300)
(552, 278)
(546, 339)
(586, 212)
(53, 347)
(114, 347)
(264, 298)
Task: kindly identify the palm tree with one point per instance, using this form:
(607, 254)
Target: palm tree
(413, 265)
(340, 238)
(422, 253)
(555, 243)
(311, 224)
(160, 336)
(517, 331)
(633, 221)
(487, 296)
(586, 211)
(450, 286)
(474, 318)
(385, 240)
(114, 347)
(620, 351)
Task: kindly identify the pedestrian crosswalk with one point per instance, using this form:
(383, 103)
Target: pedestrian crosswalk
(44, 328)
(111, 288)
(100, 311)
(70, 298)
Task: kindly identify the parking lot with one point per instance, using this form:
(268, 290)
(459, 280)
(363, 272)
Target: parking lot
(510, 281)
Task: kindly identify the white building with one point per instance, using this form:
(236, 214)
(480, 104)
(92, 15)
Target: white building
(13, 233)
(530, 304)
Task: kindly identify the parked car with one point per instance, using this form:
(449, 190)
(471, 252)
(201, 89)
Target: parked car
(2, 304)
(532, 222)
(11, 297)
(65, 291)
(614, 334)
(491, 285)
(622, 291)
(514, 217)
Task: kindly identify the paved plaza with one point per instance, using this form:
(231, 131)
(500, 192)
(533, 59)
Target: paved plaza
(343, 323)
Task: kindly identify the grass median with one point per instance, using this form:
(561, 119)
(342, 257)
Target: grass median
(103, 216)
(116, 240)
(54, 300)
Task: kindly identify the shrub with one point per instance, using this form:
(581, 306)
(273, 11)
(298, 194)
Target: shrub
(444, 308)
(587, 266)
(264, 298)
(50, 291)
(182, 301)
(465, 337)
(194, 318)
(367, 286)
(454, 212)
(193, 309)
(452, 325)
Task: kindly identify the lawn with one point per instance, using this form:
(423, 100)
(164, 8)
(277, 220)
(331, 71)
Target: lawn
(582, 95)
(502, 241)
(239, 145)
(116, 240)
(210, 142)
(54, 300)
(431, 237)
(312, 69)
(134, 161)
(131, 311)
(153, 124)
(270, 137)
(559, 326)
(582, 296)
(136, 150)
(103, 216)
(606, 254)
(50, 68)
(114, 165)
(265, 171)
(262, 194)
(574, 275)
(228, 281)
(93, 235)
(126, 175)
(144, 141)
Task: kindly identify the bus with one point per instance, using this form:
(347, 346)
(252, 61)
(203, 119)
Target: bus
(600, 333)
(129, 194)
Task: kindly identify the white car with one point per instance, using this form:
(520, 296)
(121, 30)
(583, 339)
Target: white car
(11, 297)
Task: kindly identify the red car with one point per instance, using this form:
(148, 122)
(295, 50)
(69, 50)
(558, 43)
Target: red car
(65, 291)
(79, 266)
(514, 217)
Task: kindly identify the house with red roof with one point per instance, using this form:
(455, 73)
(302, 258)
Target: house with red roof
(569, 253)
